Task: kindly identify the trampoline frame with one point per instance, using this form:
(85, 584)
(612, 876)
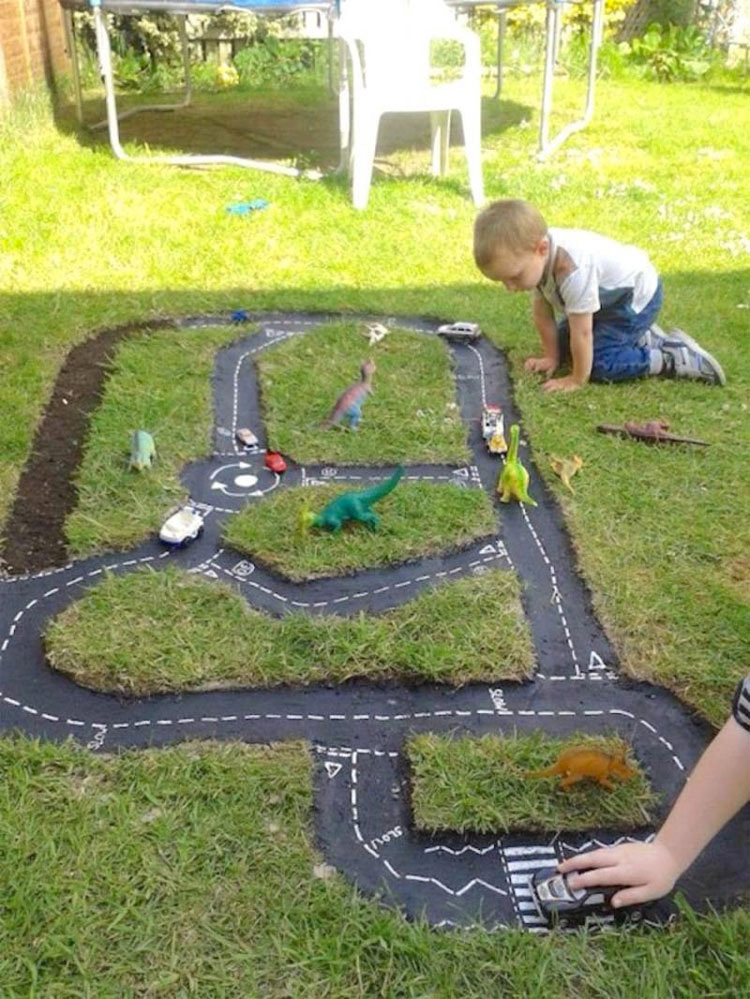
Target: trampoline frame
(100, 8)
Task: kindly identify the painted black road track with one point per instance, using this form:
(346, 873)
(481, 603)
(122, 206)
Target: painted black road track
(358, 730)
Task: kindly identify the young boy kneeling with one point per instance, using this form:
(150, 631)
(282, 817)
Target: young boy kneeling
(608, 292)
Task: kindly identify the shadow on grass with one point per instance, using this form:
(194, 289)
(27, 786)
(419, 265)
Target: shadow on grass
(265, 125)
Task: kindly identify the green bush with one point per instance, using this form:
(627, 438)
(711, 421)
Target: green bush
(670, 53)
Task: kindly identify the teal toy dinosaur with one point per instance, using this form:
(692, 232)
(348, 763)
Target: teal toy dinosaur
(352, 506)
(142, 450)
(351, 400)
(514, 479)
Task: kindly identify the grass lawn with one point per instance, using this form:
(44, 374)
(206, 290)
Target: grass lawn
(412, 415)
(662, 536)
(189, 871)
(153, 632)
(161, 383)
(477, 784)
(417, 518)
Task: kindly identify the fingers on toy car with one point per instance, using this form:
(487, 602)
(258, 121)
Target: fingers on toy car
(182, 526)
(274, 462)
(246, 437)
(493, 430)
(557, 902)
(460, 330)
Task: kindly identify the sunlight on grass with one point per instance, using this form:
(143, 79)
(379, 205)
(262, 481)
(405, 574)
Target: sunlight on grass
(151, 632)
(411, 416)
(477, 783)
(416, 519)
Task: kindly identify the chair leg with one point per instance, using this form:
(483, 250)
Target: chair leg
(471, 120)
(365, 140)
(440, 127)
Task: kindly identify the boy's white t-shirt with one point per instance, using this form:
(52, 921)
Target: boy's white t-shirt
(586, 272)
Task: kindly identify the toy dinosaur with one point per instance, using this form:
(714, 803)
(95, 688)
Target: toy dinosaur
(566, 468)
(579, 762)
(351, 400)
(142, 450)
(352, 506)
(376, 332)
(654, 432)
(514, 479)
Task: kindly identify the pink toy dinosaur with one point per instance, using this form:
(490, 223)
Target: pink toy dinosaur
(350, 402)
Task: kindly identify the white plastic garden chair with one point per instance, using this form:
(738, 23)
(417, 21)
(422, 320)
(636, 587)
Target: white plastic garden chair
(386, 67)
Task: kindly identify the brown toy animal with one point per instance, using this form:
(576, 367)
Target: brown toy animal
(579, 762)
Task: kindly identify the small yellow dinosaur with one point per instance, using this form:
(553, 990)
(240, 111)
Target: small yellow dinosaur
(566, 468)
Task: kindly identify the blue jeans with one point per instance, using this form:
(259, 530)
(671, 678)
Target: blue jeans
(617, 330)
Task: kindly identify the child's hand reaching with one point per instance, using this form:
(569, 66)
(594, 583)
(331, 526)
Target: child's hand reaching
(648, 869)
(540, 365)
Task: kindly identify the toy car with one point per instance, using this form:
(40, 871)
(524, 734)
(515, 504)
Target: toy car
(493, 430)
(460, 331)
(182, 526)
(274, 462)
(246, 437)
(555, 900)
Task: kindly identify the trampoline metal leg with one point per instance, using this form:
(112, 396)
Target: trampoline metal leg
(547, 145)
(104, 54)
(187, 96)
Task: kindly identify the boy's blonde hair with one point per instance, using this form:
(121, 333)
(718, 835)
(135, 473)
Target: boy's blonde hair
(512, 224)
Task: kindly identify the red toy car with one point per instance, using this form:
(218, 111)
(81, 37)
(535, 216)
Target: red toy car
(274, 462)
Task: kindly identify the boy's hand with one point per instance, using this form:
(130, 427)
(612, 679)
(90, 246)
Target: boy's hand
(645, 870)
(567, 384)
(540, 365)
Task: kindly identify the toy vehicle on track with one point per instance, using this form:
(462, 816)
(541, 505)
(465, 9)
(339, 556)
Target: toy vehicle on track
(274, 462)
(246, 437)
(460, 330)
(493, 430)
(182, 526)
(557, 902)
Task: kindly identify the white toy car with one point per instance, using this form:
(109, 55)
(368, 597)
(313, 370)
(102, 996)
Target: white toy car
(182, 526)
(460, 331)
(493, 430)
(246, 437)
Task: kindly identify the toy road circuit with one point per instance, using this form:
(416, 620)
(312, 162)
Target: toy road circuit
(358, 732)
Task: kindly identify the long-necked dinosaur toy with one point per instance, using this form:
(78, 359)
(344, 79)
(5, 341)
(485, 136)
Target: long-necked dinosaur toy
(351, 506)
(352, 399)
(514, 479)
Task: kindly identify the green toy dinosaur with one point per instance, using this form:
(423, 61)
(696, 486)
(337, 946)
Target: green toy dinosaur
(352, 506)
(514, 479)
(142, 450)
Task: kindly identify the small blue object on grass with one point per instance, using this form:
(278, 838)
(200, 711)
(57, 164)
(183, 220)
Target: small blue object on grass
(240, 316)
(246, 207)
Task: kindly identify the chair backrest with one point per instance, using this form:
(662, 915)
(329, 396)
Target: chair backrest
(395, 37)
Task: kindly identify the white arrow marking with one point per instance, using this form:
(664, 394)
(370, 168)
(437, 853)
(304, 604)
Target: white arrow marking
(332, 768)
(596, 661)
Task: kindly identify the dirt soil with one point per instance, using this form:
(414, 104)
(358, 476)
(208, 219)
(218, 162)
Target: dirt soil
(46, 494)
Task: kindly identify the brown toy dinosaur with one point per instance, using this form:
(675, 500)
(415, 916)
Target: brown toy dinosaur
(579, 762)
(653, 432)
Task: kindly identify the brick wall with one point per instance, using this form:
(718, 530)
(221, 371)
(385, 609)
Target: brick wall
(32, 44)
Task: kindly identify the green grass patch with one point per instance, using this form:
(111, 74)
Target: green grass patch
(477, 783)
(160, 383)
(411, 416)
(189, 871)
(416, 519)
(155, 632)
